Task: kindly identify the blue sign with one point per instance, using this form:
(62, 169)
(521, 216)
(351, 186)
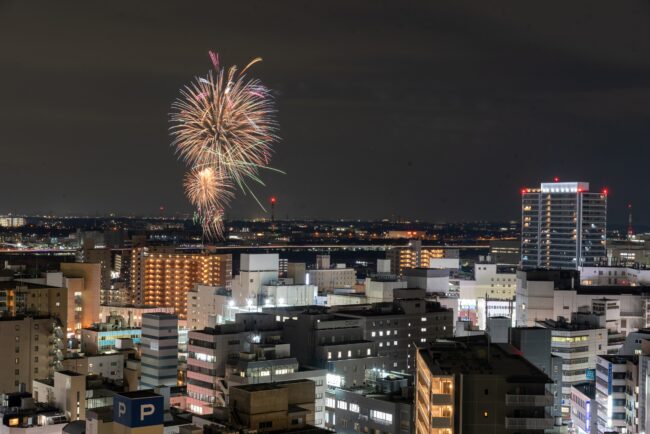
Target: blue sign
(610, 379)
(138, 409)
(590, 374)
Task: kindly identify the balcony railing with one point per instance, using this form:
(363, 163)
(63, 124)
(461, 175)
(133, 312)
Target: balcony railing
(529, 400)
(440, 399)
(440, 422)
(536, 423)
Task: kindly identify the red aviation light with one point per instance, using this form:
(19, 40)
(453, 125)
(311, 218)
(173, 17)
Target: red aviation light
(605, 191)
(273, 199)
(556, 179)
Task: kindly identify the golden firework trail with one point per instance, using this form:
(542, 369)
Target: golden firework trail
(223, 127)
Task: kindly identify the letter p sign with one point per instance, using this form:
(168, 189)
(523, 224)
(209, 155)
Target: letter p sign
(146, 410)
(138, 409)
(121, 409)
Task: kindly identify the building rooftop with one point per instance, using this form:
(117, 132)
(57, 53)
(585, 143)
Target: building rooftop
(159, 315)
(70, 373)
(140, 394)
(387, 309)
(587, 388)
(476, 355)
(105, 414)
(268, 386)
(562, 325)
(13, 284)
(618, 360)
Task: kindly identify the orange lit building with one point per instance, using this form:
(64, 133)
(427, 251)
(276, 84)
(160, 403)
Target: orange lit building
(472, 386)
(413, 256)
(167, 277)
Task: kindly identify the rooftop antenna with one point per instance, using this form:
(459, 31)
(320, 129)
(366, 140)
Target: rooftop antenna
(273, 200)
(630, 229)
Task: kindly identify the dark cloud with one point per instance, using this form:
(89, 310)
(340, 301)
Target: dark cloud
(430, 110)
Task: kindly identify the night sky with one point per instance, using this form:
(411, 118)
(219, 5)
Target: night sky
(437, 111)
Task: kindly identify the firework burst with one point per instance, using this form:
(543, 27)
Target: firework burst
(208, 189)
(223, 127)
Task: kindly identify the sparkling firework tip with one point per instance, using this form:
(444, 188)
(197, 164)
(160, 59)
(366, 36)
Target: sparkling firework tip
(223, 127)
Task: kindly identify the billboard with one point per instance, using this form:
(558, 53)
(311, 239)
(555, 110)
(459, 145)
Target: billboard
(137, 409)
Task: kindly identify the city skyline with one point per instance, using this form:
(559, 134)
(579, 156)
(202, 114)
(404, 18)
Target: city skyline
(439, 113)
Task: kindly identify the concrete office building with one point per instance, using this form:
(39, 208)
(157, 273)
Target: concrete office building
(132, 315)
(379, 287)
(83, 282)
(285, 293)
(469, 385)
(633, 344)
(630, 253)
(298, 272)
(614, 276)
(32, 347)
(206, 306)
(415, 255)
(490, 281)
(534, 343)
(383, 405)
(434, 281)
(255, 270)
(101, 256)
(271, 364)
(328, 279)
(66, 392)
(71, 295)
(332, 341)
(210, 349)
(563, 226)
(19, 414)
(107, 335)
(506, 251)
(109, 365)
(578, 345)
(274, 407)
(399, 326)
(610, 393)
(159, 362)
(620, 393)
(543, 294)
(584, 408)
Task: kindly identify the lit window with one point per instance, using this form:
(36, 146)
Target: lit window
(354, 407)
(342, 405)
(329, 355)
(330, 402)
(381, 416)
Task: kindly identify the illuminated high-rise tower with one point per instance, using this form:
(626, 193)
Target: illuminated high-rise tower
(563, 226)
